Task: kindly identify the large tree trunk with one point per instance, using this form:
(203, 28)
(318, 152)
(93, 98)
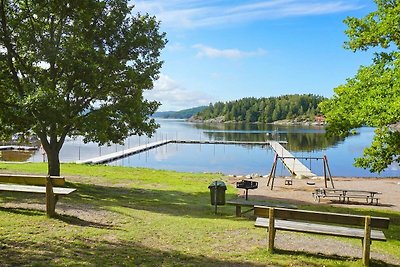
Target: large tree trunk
(52, 149)
(53, 156)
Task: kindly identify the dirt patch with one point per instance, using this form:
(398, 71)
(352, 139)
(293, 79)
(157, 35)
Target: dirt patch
(78, 214)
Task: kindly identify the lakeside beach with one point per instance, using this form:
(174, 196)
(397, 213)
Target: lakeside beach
(300, 192)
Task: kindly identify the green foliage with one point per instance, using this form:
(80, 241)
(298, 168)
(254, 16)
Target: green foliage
(384, 149)
(372, 97)
(181, 114)
(270, 109)
(77, 68)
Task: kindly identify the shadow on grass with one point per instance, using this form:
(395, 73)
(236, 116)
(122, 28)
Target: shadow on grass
(80, 222)
(176, 203)
(86, 252)
(171, 202)
(65, 218)
(81, 251)
(20, 211)
(309, 255)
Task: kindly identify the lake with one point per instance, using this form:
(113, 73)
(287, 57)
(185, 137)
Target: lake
(302, 141)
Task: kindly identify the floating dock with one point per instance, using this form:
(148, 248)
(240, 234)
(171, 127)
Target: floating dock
(136, 150)
(15, 147)
(294, 166)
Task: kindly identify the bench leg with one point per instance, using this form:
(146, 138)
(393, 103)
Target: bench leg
(51, 199)
(367, 241)
(271, 230)
(238, 211)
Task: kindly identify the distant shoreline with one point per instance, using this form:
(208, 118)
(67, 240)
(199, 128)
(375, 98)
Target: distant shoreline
(280, 122)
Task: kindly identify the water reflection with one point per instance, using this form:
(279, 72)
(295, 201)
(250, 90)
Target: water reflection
(231, 159)
(299, 138)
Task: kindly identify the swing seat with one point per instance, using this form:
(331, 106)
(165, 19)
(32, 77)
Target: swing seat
(288, 182)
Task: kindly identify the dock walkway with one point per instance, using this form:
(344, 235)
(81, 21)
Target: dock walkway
(294, 166)
(123, 153)
(135, 150)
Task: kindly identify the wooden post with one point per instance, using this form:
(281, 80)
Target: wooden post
(274, 174)
(271, 230)
(367, 241)
(324, 158)
(50, 198)
(272, 169)
(238, 211)
(329, 171)
(215, 197)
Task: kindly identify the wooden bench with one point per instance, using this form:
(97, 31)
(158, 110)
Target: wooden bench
(239, 203)
(344, 195)
(325, 223)
(48, 185)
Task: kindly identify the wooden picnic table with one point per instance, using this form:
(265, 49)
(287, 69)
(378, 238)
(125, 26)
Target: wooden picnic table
(345, 194)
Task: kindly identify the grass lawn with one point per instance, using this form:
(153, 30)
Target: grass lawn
(142, 217)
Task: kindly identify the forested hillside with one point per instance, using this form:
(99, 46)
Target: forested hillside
(299, 107)
(182, 114)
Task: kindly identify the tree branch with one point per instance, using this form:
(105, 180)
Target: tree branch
(10, 51)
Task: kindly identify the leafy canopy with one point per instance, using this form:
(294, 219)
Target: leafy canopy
(72, 68)
(372, 97)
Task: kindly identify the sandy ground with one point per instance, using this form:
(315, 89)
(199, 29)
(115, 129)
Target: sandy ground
(300, 192)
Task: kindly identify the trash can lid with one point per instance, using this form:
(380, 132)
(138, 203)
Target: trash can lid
(218, 184)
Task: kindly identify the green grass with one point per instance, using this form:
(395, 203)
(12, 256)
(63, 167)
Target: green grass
(142, 217)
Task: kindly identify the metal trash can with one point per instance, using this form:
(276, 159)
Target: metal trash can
(217, 192)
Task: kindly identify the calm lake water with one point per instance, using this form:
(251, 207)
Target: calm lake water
(233, 159)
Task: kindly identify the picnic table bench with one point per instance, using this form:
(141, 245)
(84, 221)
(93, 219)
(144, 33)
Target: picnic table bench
(344, 195)
(324, 223)
(239, 203)
(41, 184)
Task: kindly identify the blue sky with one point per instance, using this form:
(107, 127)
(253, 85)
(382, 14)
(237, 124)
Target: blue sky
(224, 50)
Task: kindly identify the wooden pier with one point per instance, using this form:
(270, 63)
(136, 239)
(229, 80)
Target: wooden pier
(295, 167)
(123, 153)
(136, 150)
(216, 142)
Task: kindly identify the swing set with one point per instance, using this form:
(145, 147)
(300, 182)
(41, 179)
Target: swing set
(327, 171)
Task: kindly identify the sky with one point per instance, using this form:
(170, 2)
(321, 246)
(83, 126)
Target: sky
(224, 50)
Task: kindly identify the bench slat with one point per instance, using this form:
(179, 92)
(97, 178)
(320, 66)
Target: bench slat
(320, 229)
(31, 179)
(321, 217)
(35, 189)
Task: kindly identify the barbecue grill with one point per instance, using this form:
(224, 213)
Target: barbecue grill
(246, 184)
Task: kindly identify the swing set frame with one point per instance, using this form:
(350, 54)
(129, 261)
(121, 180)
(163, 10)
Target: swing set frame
(327, 171)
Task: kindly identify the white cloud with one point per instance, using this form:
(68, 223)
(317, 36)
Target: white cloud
(175, 47)
(200, 13)
(173, 96)
(207, 51)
